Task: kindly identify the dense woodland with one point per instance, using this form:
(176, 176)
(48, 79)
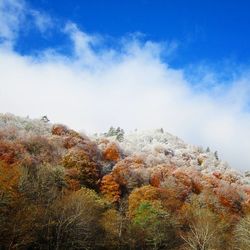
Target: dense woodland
(60, 189)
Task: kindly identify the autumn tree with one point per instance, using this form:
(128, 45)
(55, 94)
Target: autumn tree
(130, 173)
(112, 223)
(112, 152)
(9, 198)
(89, 172)
(18, 219)
(41, 150)
(110, 188)
(11, 152)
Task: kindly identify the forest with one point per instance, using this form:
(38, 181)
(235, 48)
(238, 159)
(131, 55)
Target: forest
(61, 189)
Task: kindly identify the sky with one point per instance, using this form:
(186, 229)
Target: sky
(180, 65)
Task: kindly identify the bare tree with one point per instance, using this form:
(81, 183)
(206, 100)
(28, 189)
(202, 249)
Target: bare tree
(205, 231)
(76, 220)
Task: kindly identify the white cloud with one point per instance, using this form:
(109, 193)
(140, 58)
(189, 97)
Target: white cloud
(12, 12)
(131, 87)
(13, 20)
(42, 21)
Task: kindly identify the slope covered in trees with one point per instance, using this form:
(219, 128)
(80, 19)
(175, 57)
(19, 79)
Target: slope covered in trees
(60, 189)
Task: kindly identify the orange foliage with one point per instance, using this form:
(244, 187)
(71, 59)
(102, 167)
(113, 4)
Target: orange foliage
(71, 137)
(210, 182)
(59, 130)
(70, 142)
(175, 180)
(196, 186)
(110, 188)
(9, 179)
(111, 152)
(138, 195)
(72, 178)
(160, 173)
(184, 184)
(129, 172)
(162, 197)
(11, 151)
(217, 174)
(230, 178)
(229, 197)
(73, 184)
(88, 171)
(41, 150)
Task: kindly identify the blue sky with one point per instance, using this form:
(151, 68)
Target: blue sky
(209, 30)
(180, 65)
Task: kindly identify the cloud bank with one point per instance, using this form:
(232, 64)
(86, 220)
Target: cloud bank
(129, 85)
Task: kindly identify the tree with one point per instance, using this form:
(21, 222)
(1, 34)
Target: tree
(130, 173)
(153, 227)
(42, 184)
(143, 194)
(112, 152)
(206, 231)
(41, 150)
(112, 222)
(242, 233)
(74, 221)
(11, 152)
(110, 188)
(216, 155)
(117, 132)
(89, 172)
(18, 218)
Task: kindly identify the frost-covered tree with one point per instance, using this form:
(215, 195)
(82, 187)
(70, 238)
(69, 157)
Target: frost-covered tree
(118, 133)
(216, 155)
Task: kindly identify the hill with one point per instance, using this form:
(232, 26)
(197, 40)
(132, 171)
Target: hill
(60, 189)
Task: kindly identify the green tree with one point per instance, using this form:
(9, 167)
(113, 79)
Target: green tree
(153, 227)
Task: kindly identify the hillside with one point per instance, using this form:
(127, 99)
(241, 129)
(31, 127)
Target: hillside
(60, 189)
